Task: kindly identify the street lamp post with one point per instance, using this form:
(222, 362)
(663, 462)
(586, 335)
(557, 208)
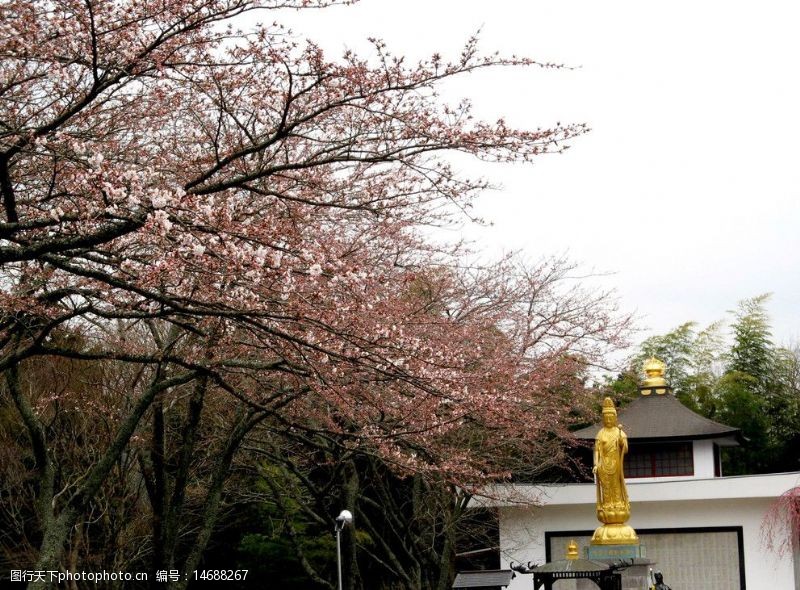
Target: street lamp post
(345, 517)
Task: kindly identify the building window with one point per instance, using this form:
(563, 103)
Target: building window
(659, 460)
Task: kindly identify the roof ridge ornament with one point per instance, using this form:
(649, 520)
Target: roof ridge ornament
(572, 550)
(654, 382)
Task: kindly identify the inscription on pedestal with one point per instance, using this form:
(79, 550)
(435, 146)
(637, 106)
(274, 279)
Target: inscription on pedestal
(614, 552)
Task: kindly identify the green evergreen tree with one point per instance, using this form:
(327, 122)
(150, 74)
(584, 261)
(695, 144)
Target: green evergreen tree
(752, 352)
(745, 386)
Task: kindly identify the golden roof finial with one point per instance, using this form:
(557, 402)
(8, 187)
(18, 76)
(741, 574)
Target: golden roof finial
(572, 550)
(654, 369)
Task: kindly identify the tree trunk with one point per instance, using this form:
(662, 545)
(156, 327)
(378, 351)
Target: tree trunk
(57, 532)
(158, 497)
(188, 442)
(214, 495)
(53, 541)
(350, 574)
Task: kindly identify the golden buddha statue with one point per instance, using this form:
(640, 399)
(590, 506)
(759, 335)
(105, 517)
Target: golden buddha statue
(613, 506)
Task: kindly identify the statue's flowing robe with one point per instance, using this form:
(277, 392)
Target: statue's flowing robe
(610, 447)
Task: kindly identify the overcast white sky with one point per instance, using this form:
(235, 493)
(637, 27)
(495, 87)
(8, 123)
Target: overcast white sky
(686, 188)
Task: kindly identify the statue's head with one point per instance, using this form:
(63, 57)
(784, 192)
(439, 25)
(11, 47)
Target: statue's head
(609, 413)
(659, 578)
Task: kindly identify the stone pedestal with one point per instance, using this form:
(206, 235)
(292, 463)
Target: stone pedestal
(615, 553)
(635, 576)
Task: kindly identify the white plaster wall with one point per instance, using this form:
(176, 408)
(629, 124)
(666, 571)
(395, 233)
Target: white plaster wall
(703, 451)
(522, 533)
(645, 490)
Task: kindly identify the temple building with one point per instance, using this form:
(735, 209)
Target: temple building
(701, 528)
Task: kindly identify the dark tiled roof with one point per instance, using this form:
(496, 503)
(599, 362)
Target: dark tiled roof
(661, 417)
(481, 579)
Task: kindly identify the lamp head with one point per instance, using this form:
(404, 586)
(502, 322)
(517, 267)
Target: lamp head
(345, 518)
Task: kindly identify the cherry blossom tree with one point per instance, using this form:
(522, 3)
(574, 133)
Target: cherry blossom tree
(79, 405)
(780, 530)
(253, 207)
